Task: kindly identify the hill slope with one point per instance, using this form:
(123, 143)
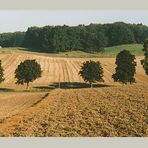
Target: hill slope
(56, 69)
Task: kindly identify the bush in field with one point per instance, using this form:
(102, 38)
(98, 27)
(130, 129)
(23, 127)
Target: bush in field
(1, 72)
(27, 72)
(145, 45)
(144, 62)
(126, 67)
(92, 72)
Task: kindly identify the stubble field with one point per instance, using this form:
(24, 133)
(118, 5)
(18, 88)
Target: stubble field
(60, 69)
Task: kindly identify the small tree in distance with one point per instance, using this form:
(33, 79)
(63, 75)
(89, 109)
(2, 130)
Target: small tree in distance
(145, 45)
(126, 68)
(1, 72)
(91, 72)
(144, 62)
(27, 72)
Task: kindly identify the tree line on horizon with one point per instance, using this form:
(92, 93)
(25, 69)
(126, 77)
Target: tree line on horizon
(88, 38)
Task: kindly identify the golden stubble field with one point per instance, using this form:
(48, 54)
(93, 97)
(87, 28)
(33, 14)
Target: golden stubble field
(114, 110)
(60, 69)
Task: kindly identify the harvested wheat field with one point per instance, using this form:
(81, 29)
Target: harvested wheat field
(57, 69)
(107, 111)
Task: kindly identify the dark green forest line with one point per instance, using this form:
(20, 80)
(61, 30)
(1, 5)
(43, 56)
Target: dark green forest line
(88, 38)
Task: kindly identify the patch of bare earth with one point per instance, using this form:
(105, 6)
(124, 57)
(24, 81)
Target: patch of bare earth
(108, 111)
(14, 102)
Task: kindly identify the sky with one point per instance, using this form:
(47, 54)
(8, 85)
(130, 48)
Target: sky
(20, 20)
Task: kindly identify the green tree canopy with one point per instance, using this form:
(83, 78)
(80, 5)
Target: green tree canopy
(1, 72)
(92, 72)
(119, 33)
(144, 62)
(145, 45)
(126, 67)
(88, 38)
(27, 72)
(12, 39)
(140, 32)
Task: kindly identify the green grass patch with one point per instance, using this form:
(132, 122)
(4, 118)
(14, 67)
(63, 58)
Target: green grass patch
(135, 49)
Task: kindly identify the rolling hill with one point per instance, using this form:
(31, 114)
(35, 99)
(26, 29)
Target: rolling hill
(109, 109)
(135, 49)
(59, 69)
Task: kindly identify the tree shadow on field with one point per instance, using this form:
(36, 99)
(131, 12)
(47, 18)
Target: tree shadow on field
(6, 90)
(45, 88)
(70, 85)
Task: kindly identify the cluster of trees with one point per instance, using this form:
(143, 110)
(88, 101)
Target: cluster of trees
(125, 70)
(89, 38)
(91, 71)
(65, 38)
(15, 39)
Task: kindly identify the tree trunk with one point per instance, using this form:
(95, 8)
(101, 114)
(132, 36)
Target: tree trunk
(91, 85)
(27, 86)
(59, 85)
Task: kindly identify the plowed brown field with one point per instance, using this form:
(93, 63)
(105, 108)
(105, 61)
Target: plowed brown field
(12, 103)
(111, 111)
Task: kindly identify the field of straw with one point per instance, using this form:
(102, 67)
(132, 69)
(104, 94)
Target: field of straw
(60, 69)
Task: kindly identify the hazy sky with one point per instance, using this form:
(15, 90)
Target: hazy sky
(20, 20)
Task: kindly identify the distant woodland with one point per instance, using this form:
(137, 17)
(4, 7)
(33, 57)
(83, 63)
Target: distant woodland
(88, 38)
